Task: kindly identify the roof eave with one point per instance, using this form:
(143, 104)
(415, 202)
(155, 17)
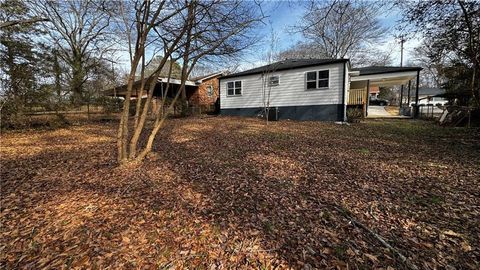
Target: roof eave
(334, 61)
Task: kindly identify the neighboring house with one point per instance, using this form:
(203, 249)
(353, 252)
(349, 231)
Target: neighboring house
(428, 95)
(207, 92)
(201, 91)
(374, 91)
(307, 89)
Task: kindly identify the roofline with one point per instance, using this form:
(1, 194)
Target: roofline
(333, 61)
(159, 80)
(389, 71)
(209, 76)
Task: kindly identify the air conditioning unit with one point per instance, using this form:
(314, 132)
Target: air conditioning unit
(273, 114)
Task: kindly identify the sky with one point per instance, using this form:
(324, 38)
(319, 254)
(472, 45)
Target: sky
(284, 15)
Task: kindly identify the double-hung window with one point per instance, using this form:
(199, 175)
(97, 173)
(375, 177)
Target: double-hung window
(317, 79)
(234, 88)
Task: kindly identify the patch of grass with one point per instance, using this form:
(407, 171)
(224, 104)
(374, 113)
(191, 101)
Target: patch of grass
(436, 199)
(340, 251)
(364, 151)
(268, 227)
(426, 201)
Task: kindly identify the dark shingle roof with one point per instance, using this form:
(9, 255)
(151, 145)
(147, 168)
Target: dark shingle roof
(286, 64)
(379, 70)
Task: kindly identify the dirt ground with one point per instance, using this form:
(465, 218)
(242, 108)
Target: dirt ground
(231, 193)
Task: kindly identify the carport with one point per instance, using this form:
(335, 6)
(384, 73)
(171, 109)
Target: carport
(362, 78)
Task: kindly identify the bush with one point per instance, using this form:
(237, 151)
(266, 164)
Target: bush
(354, 115)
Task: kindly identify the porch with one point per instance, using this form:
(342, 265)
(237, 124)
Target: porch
(362, 79)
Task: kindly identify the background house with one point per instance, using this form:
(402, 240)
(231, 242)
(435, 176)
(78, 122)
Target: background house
(202, 92)
(429, 95)
(374, 91)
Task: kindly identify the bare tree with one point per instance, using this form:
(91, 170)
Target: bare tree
(269, 80)
(340, 28)
(302, 50)
(79, 30)
(26, 21)
(452, 30)
(188, 31)
(432, 73)
(373, 56)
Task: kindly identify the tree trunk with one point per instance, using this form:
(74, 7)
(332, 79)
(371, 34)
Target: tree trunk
(146, 108)
(122, 134)
(140, 93)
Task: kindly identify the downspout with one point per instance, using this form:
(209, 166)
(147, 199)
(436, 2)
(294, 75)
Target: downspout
(219, 96)
(344, 93)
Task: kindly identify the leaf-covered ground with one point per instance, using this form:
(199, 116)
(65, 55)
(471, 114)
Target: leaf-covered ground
(230, 193)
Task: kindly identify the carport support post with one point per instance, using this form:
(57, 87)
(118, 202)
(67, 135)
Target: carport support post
(416, 95)
(401, 98)
(368, 98)
(409, 89)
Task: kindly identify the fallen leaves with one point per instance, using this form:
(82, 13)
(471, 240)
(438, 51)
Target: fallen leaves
(235, 193)
(373, 258)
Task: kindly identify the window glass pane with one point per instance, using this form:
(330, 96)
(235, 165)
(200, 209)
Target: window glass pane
(238, 84)
(312, 85)
(230, 84)
(323, 74)
(322, 83)
(238, 91)
(210, 91)
(230, 91)
(311, 76)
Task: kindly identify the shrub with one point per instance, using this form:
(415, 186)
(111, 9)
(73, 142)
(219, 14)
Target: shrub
(354, 115)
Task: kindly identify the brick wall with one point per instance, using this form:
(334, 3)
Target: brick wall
(201, 97)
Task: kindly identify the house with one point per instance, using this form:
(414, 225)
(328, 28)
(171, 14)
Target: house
(202, 92)
(374, 91)
(306, 89)
(301, 89)
(430, 95)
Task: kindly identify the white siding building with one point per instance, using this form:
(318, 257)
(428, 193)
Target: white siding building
(307, 89)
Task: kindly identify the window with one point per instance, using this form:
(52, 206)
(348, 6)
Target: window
(317, 79)
(210, 91)
(234, 88)
(273, 80)
(312, 80)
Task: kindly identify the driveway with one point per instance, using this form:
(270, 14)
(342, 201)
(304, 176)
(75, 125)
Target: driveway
(377, 111)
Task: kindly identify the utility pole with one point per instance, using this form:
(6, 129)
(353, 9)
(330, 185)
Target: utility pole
(402, 40)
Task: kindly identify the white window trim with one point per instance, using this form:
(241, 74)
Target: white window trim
(317, 79)
(269, 80)
(241, 88)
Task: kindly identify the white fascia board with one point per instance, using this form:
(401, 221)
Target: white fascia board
(175, 81)
(383, 76)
